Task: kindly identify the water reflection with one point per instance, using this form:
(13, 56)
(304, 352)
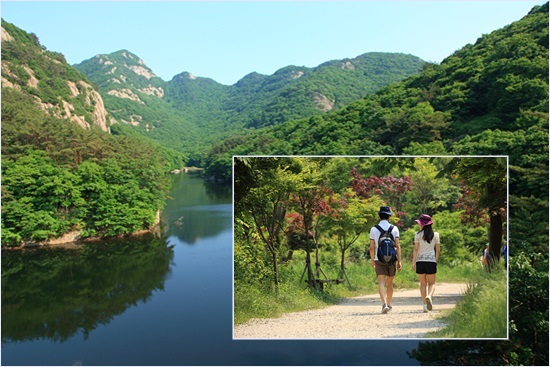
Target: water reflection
(57, 293)
(196, 209)
(75, 307)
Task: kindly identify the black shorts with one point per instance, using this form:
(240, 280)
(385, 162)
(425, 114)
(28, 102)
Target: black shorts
(426, 267)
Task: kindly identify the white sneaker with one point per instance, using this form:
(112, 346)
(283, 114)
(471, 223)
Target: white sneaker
(385, 308)
(425, 308)
(429, 303)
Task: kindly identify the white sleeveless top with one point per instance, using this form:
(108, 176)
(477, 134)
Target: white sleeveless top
(426, 251)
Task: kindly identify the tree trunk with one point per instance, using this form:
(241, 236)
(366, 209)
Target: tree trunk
(343, 248)
(310, 277)
(289, 255)
(275, 270)
(311, 281)
(317, 263)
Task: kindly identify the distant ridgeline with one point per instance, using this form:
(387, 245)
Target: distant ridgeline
(190, 113)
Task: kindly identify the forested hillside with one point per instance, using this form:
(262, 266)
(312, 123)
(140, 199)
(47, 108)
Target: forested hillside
(497, 87)
(61, 168)
(488, 98)
(190, 113)
(56, 87)
(133, 95)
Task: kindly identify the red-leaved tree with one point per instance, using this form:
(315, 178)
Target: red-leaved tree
(390, 189)
(311, 207)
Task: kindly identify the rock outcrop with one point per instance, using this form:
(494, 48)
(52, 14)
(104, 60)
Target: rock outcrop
(78, 102)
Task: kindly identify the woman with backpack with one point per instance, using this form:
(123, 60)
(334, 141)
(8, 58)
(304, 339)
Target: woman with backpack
(425, 258)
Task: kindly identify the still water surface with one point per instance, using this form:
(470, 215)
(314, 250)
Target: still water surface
(152, 301)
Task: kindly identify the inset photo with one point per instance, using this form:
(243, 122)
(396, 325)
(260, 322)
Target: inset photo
(370, 247)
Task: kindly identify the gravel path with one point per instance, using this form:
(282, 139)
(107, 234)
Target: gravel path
(359, 318)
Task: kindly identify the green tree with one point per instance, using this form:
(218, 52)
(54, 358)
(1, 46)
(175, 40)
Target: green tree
(352, 216)
(488, 176)
(262, 191)
(308, 199)
(431, 193)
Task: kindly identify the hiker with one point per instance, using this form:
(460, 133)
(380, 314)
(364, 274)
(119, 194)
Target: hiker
(385, 268)
(425, 258)
(485, 256)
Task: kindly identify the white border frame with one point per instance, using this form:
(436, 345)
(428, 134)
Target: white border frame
(507, 239)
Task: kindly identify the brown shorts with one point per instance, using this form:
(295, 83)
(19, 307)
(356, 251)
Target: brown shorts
(384, 269)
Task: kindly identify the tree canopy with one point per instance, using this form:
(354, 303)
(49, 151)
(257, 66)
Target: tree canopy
(58, 177)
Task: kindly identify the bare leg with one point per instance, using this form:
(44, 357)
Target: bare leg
(382, 287)
(389, 294)
(431, 284)
(423, 282)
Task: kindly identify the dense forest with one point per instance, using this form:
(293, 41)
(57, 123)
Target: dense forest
(335, 200)
(56, 175)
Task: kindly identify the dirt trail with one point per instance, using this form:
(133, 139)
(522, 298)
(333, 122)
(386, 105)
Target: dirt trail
(359, 318)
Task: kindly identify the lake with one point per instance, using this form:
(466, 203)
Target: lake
(152, 300)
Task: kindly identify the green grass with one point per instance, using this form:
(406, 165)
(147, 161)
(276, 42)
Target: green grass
(255, 300)
(463, 272)
(483, 311)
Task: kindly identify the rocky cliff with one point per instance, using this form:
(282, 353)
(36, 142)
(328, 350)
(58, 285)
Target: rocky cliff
(56, 87)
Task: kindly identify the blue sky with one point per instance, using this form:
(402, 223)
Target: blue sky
(226, 40)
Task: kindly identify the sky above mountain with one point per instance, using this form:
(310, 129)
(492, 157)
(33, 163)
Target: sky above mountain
(226, 40)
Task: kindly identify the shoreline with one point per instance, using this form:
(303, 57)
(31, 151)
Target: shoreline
(72, 239)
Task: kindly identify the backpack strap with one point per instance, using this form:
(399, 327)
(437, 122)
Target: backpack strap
(390, 229)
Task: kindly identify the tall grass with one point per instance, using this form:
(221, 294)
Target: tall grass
(483, 311)
(259, 300)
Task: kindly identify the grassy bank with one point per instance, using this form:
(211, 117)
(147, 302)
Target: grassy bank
(483, 311)
(257, 300)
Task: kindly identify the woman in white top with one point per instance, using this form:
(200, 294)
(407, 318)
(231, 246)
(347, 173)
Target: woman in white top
(425, 257)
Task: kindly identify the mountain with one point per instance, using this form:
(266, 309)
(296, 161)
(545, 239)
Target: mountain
(189, 113)
(134, 96)
(63, 172)
(500, 83)
(86, 150)
(295, 92)
(56, 87)
(124, 76)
